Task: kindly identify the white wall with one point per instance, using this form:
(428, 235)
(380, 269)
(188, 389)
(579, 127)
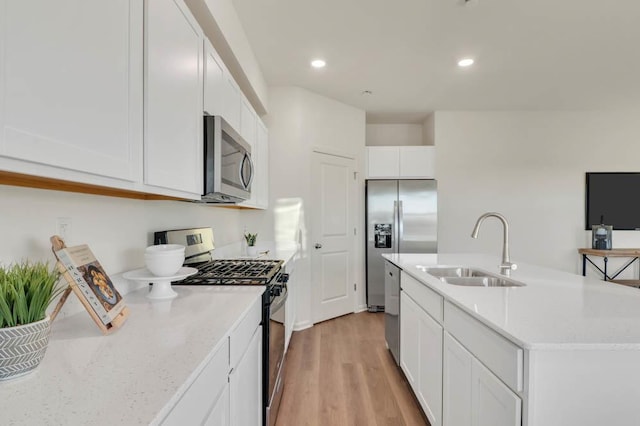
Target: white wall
(531, 167)
(116, 229)
(299, 120)
(394, 134)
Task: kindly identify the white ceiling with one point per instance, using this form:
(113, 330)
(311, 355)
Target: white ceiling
(530, 55)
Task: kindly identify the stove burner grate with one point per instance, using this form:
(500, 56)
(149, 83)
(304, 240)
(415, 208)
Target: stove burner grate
(234, 272)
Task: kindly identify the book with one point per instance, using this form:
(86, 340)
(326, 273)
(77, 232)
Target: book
(92, 283)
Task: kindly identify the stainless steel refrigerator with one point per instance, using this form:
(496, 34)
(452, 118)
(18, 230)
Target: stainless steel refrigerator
(402, 217)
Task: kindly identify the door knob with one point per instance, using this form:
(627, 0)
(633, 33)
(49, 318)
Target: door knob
(318, 246)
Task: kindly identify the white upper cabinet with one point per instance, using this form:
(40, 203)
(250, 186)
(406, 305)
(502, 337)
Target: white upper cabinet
(173, 97)
(214, 81)
(232, 101)
(71, 85)
(417, 161)
(408, 162)
(383, 162)
(248, 122)
(260, 159)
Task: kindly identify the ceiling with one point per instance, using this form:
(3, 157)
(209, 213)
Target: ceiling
(530, 55)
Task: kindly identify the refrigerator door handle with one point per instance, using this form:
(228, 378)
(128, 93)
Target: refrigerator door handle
(400, 224)
(394, 235)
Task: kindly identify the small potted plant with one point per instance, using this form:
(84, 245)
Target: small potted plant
(251, 243)
(26, 290)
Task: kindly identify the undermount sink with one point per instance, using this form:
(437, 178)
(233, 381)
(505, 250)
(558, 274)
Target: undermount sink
(464, 276)
(481, 281)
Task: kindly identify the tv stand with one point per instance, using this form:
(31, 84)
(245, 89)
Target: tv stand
(633, 253)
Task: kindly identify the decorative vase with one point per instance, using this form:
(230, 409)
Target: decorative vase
(252, 251)
(22, 348)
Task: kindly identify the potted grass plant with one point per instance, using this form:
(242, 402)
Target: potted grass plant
(26, 290)
(251, 243)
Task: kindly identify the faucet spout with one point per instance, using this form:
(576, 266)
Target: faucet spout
(506, 266)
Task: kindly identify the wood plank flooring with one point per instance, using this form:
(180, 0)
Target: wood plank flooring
(340, 372)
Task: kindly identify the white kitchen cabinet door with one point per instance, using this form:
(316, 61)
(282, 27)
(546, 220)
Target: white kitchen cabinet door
(430, 372)
(456, 383)
(71, 86)
(409, 339)
(214, 81)
(232, 102)
(417, 162)
(492, 402)
(245, 383)
(219, 415)
(263, 172)
(248, 122)
(173, 97)
(421, 356)
(383, 162)
(473, 395)
(260, 159)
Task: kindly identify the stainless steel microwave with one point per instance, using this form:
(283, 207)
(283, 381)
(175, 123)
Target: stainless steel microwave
(228, 169)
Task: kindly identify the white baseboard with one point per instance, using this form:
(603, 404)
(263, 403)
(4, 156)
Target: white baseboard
(361, 308)
(303, 325)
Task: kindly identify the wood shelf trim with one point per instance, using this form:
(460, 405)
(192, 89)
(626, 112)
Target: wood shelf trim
(621, 252)
(28, 181)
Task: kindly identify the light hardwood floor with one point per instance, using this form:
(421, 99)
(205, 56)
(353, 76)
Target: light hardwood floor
(340, 372)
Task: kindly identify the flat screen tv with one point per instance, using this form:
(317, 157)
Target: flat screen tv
(616, 198)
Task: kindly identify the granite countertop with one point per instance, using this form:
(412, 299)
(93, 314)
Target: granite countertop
(555, 310)
(135, 375)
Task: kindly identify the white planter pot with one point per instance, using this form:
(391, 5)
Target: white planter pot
(22, 348)
(252, 251)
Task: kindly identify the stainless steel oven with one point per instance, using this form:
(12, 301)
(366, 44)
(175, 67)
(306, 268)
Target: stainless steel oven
(265, 272)
(276, 339)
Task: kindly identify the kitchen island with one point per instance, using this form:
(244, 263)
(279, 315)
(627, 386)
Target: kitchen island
(560, 350)
(140, 373)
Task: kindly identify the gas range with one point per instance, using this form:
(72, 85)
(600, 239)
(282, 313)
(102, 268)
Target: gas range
(235, 272)
(198, 244)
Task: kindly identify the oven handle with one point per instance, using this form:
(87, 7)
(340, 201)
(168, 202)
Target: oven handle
(283, 299)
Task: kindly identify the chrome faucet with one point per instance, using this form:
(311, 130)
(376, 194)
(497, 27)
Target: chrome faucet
(506, 266)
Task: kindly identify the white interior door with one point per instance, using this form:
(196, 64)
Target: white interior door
(332, 221)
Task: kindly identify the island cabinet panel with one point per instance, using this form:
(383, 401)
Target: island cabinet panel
(426, 298)
(71, 89)
(473, 396)
(421, 356)
(456, 383)
(173, 97)
(503, 357)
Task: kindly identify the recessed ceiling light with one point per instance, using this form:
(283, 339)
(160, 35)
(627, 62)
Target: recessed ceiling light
(318, 63)
(466, 62)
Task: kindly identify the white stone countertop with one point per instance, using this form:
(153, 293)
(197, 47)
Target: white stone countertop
(556, 310)
(285, 251)
(133, 376)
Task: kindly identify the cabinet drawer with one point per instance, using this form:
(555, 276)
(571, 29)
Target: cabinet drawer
(426, 298)
(242, 334)
(501, 356)
(198, 400)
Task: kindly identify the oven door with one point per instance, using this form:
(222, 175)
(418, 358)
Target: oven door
(276, 353)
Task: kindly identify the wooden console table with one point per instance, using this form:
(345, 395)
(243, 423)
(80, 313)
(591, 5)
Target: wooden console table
(633, 253)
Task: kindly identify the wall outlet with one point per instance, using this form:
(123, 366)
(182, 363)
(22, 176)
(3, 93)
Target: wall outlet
(63, 228)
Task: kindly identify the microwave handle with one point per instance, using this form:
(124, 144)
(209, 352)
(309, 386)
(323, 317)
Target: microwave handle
(246, 184)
